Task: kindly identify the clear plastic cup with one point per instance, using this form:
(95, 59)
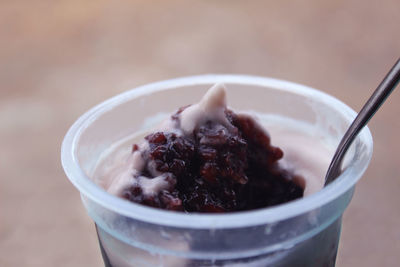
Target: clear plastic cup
(304, 232)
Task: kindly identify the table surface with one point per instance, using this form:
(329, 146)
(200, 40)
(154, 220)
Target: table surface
(59, 58)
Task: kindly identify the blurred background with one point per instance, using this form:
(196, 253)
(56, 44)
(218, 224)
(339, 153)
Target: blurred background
(59, 58)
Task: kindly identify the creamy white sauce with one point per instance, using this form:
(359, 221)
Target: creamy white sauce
(304, 156)
(211, 107)
(154, 185)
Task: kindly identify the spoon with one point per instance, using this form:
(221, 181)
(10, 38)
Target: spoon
(367, 112)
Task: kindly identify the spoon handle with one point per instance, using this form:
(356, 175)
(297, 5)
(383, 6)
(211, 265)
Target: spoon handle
(374, 102)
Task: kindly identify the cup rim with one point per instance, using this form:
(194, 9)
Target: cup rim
(207, 220)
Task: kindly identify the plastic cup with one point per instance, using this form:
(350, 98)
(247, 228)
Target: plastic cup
(304, 232)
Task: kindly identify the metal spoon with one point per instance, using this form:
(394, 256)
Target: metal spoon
(373, 104)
